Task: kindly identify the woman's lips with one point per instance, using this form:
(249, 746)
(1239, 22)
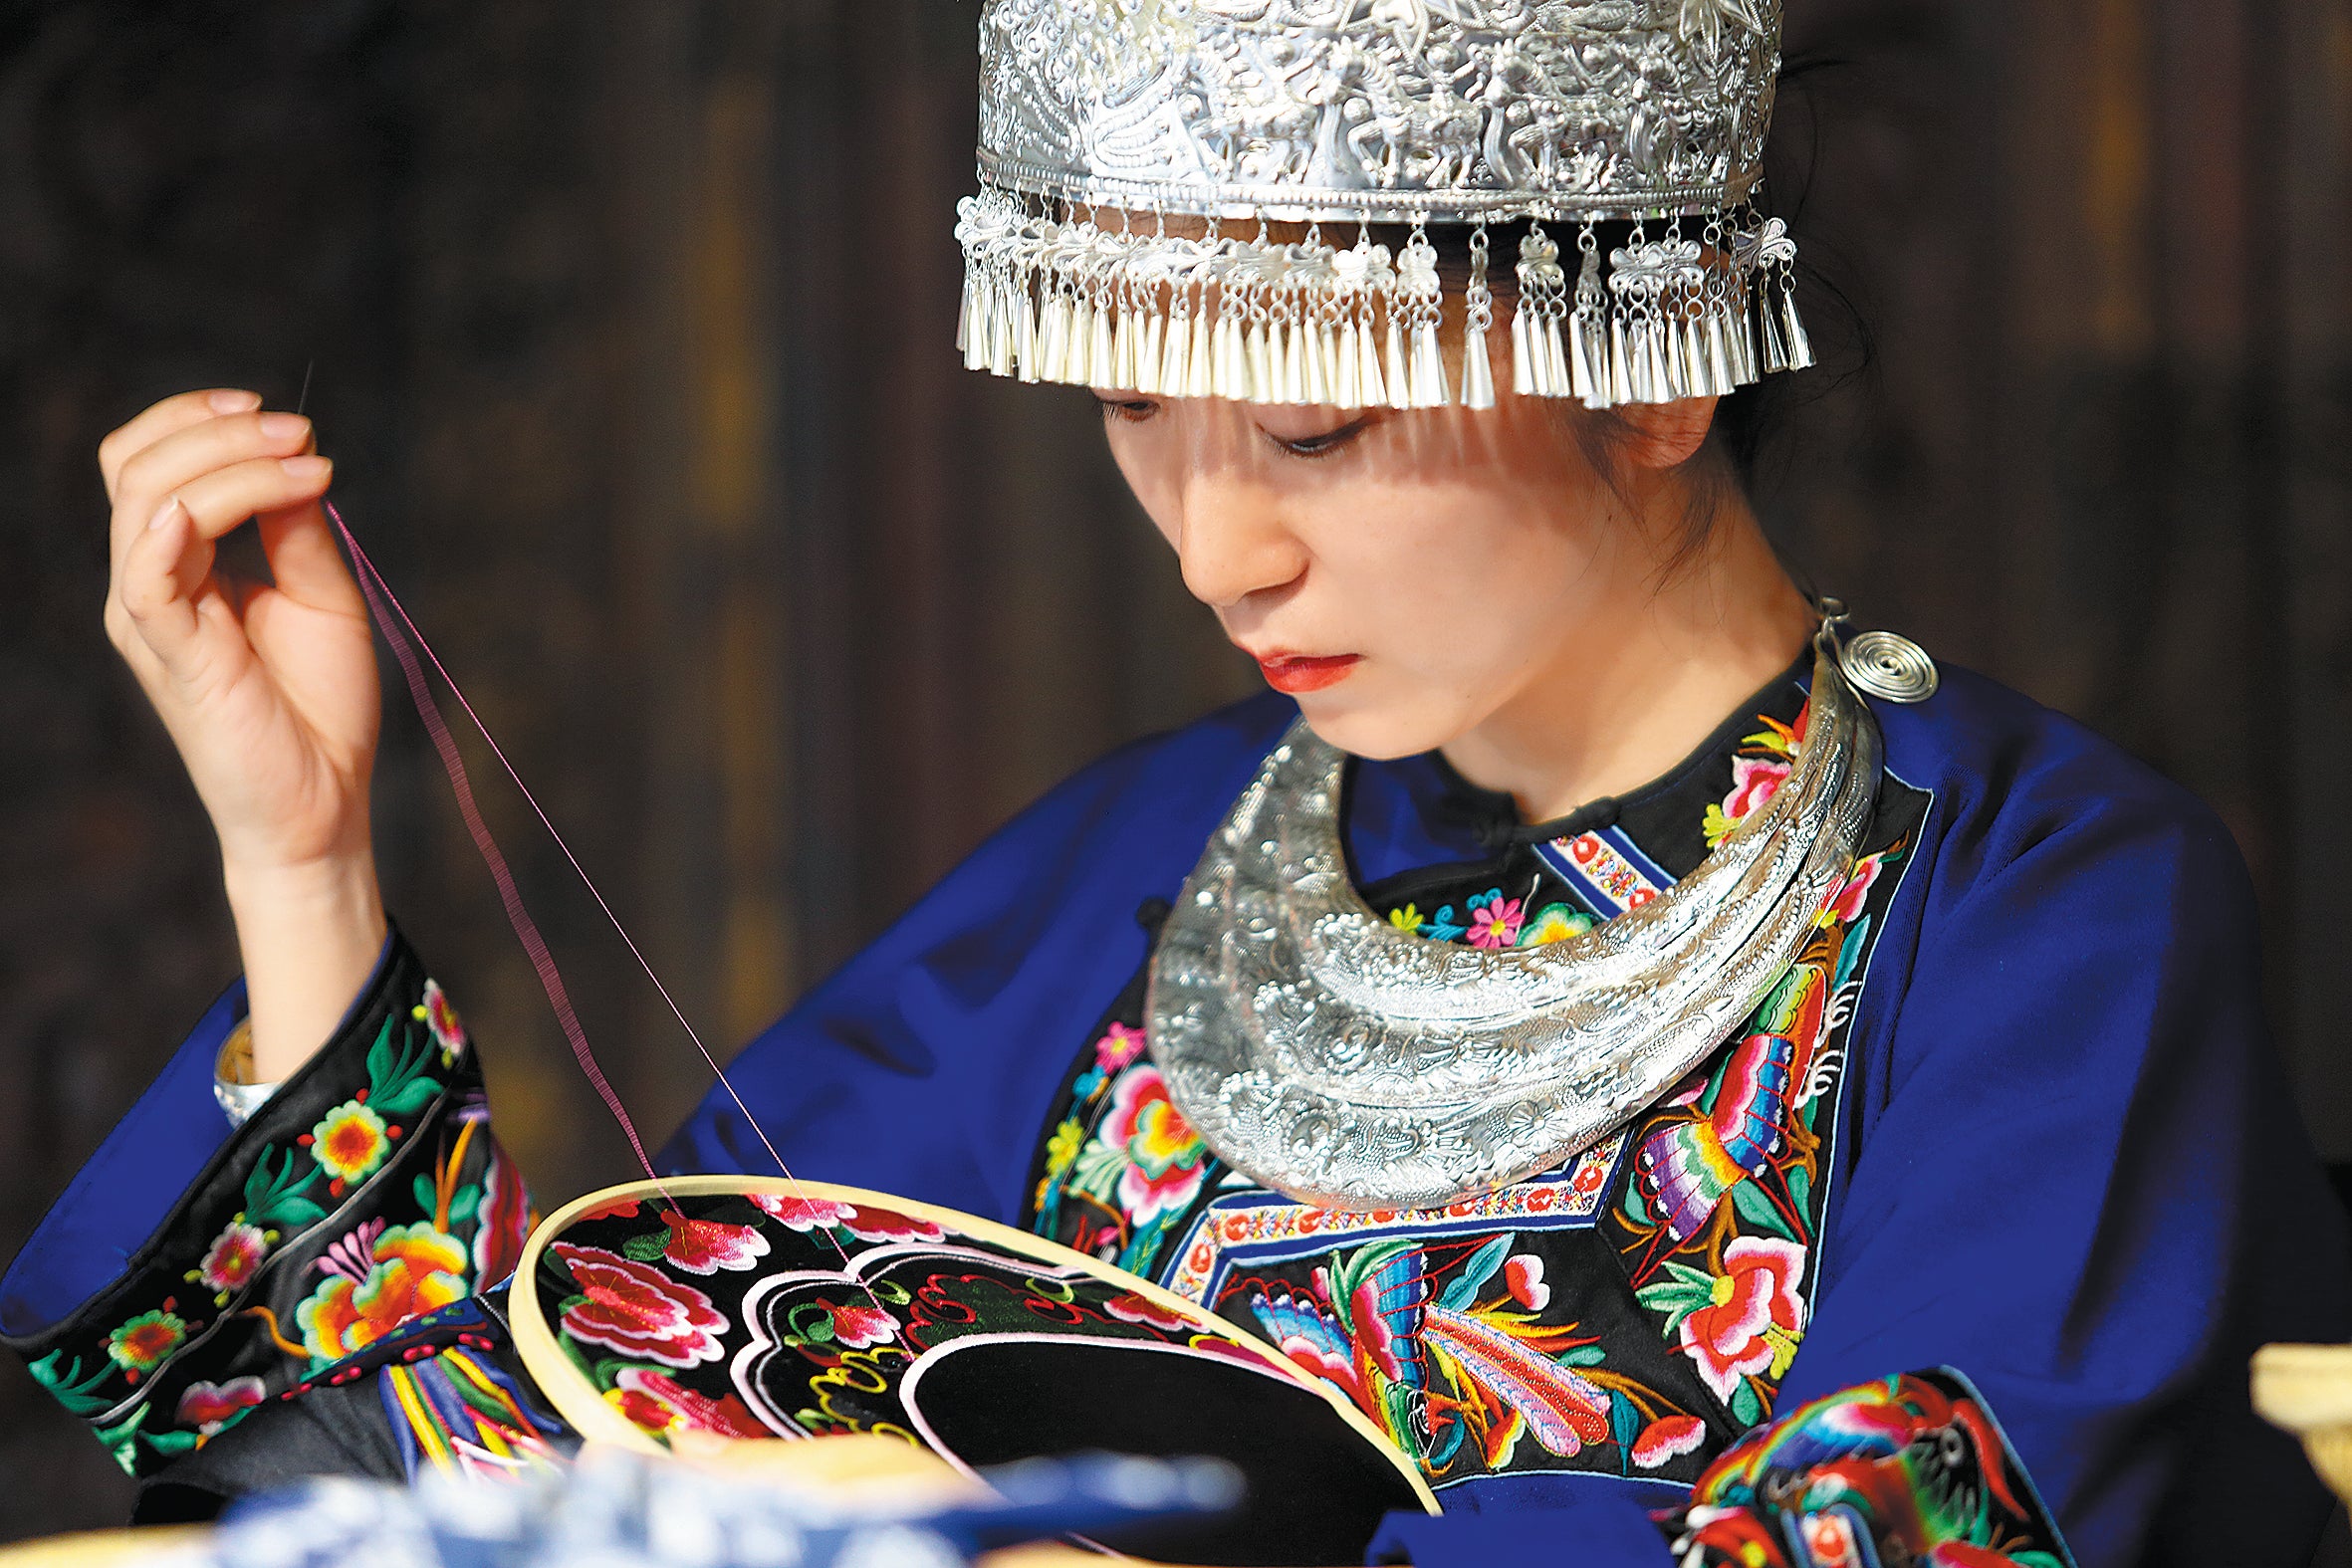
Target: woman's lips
(1297, 672)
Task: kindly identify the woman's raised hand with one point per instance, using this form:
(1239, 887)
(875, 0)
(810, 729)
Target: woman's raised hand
(269, 691)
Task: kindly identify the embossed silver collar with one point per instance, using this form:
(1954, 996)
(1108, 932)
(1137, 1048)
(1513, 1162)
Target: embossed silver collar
(1328, 1055)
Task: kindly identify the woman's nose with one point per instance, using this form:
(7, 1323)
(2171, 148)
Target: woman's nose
(1232, 542)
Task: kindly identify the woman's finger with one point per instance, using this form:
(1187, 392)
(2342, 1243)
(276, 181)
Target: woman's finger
(305, 560)
(223, 497)
(157, 586)
(161, 419)
(151, 476)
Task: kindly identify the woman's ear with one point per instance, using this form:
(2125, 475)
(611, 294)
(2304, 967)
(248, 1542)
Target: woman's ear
(1660, 436)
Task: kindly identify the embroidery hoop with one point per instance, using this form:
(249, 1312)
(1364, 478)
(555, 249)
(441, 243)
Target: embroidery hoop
(588, 1414)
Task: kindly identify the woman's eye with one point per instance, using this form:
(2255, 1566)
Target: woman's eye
(1127, 408)
(1323, 442)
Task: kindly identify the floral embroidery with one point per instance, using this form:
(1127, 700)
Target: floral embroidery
(1554, 923)
(229, 1263)
(1137, 1308)
(660, 1404)
(1119, 1045)
(701, 1246)
(1669, 1438)
(1698, 1220)
(637, 1310)
(348, 1143)
(1743, 1321)
(1495, 920)
(1163, 1154)
(402, 1272)
(856, 1328)
(437, 1015)
(211, 1407)
(1756, 780)
(146, 1341)
(1905, 1470)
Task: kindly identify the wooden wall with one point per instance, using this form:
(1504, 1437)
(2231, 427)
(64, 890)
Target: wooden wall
(631, 327)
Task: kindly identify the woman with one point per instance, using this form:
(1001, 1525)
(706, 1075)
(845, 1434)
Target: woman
(1936, 1092)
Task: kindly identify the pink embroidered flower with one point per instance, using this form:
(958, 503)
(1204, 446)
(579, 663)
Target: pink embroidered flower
(1754, 781)
(887, 1224)
(229, 1264)
(1845, 906)
(660, 1404)
(441, 1019)
(637, 1310)
(1756, 1317)
(1667, 1439)
(857, 1326)
(506, 1219)
(1164, 1155)
(1494, 923)
(704, 1246)
(1524, 1275)
(1134, 1308)
(1118, 1046)
(208, 1407)
(800, 1214)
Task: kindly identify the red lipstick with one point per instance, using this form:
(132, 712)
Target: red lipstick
(1297, 672)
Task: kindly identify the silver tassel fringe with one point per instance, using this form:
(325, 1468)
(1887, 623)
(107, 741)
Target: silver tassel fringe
(1255, 321)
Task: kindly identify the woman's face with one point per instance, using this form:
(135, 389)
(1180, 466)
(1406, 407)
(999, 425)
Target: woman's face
(1404, 575)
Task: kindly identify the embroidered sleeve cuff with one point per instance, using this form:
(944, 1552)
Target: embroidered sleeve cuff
(365, 1191)
(1871, 1473)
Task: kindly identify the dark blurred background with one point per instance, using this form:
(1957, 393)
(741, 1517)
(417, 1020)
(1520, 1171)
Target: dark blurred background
(632, 328)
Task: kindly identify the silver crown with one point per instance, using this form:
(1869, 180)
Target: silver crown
(1350, 113)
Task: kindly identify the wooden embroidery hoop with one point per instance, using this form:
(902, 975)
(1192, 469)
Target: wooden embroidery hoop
(589, 1414)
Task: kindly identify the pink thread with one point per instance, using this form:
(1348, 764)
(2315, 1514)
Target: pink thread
(380, 595)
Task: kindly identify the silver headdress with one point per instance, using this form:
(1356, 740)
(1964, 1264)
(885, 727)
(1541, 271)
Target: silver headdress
(1100, 120)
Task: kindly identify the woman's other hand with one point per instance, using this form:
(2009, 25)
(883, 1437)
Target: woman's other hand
(269, 691)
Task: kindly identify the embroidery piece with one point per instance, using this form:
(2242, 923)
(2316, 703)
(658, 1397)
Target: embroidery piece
(1912, 1469)
(1632, 1313)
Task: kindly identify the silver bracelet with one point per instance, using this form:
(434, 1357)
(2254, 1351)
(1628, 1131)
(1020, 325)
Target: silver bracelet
(232, 1073)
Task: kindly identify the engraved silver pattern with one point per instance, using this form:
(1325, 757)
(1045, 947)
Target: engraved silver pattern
(1331, 1056)
(1386, 109)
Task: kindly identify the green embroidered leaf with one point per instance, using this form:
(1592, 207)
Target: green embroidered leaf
(1582, 1356)
(1676, 1298)
(122, 1438)
(426, 1198)
(645, 1248)
(1692, 1276)
(70, 1388)
(1098, 1171)
(2037, 1560)
(275, 1197)
(1800, 1188)
(169, 1441)
(1625, 1426)
(1463, 1292)
(397, 1084)
(1746, 1405)
(1753, 1204)
(463, 1203)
